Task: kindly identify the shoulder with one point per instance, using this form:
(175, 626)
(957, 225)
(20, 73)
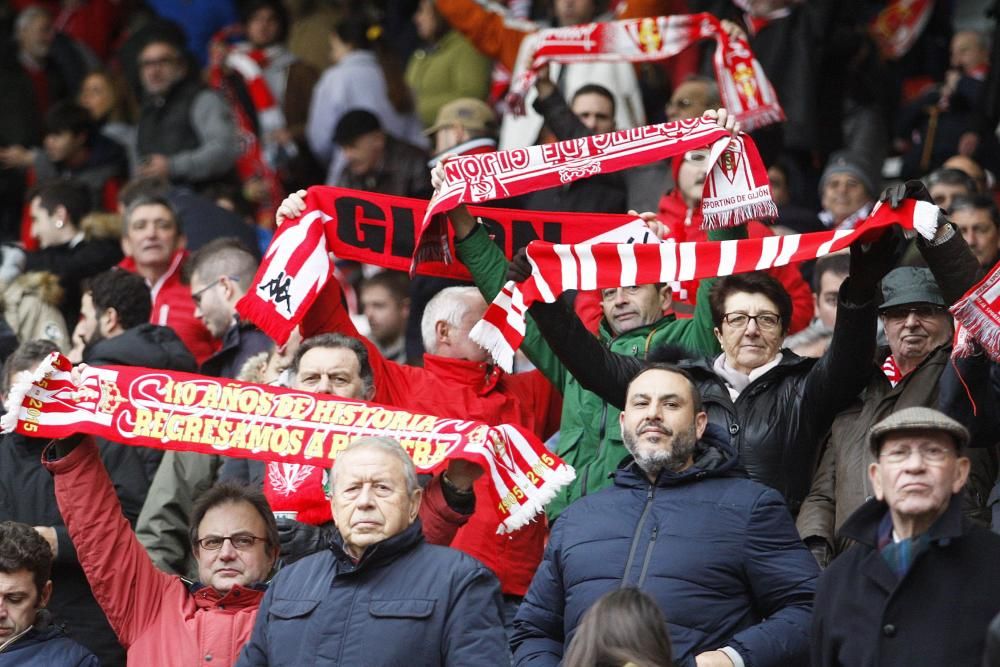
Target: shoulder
(303, 573)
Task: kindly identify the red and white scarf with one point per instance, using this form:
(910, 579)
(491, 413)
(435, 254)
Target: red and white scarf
(187, 412)
(898, 26)
(736, 188)
(977, 315)
(892, 371)
(745, 89)
(557, 268)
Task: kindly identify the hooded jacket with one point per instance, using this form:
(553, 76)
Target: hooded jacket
(718, 552)
(31, 307)
(44, 645)
(146, 345)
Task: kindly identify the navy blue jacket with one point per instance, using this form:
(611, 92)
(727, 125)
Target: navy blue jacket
(405, 602)
(718, 552)
(46, 645)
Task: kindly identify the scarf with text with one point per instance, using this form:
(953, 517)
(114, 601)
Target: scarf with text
(557, 268)
(188, 412)
(977, 317)
(898, 26)
(381, 230)
(736, 188)
(745, 89)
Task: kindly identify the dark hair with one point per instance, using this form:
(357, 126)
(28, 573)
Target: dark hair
(227, 256)
(68, 116)
(232, 492)
(595, 89)
(27, 355)
(124, 291)
(338, 341)
(360, 31)
(623, 626)
(72, 195)
(22, 548)
(280, 13)
(121, 111)
(752, 283)
(839, 264)
(353, 125)
(977, 203)
(671, 368)
(396, 283)
(950, 176)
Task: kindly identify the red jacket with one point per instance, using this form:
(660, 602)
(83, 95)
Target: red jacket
(465, 390)
(674, 213)
(158, 618)
(173, 307)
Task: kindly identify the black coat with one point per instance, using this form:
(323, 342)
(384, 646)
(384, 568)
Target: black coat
(937, 614)
(73, 263)
(240, 342)
(777, 423)
(404, 603)
(46, 645)
(718, 552)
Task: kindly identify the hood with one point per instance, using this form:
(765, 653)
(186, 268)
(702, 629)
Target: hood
(147, 345)
(714, 456)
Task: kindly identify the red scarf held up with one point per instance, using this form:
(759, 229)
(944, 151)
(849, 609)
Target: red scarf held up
(745, 89)
(188, 412)
(898, 26)
(977, 314)
(557, 268)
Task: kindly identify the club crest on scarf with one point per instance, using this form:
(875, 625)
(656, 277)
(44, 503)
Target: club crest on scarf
(286, 478)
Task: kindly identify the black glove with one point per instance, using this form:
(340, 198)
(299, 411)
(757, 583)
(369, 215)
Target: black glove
(299, 539)
(871, 261)
(895, 194)
(519, 268)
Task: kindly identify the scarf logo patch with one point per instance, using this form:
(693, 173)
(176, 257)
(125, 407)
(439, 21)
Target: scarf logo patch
(286, 478)
(278, 291)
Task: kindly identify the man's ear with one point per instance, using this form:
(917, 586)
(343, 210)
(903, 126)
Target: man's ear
(666, 297)
(700, 424)
(876, 480)
(109, 320)
(718, 335)
(441, 329)
(415, 499)
(43, 599)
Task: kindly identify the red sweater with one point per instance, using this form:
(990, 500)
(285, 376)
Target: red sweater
(463, 390)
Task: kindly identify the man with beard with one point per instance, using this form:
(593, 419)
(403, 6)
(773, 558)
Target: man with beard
(718, 552)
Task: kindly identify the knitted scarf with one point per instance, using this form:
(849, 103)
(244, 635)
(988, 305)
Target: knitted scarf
(557, 268)
(977, 315)
(745, 89)
(897, 27)
(736, 188)
(187, 412)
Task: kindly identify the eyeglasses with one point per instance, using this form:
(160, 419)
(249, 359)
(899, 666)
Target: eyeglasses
(240, 541)
(929, 453)
(900, 313)
(196, 296)
(765, 321)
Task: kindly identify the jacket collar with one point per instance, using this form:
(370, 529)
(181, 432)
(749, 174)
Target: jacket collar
(238, 597)
(639, 332)
(379, 553)
(862, 526)
(481, 376)
(714, 457)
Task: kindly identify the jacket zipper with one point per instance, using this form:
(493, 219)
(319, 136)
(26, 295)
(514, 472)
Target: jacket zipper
(4, 646)
(635, 538)
(649, 552)
(600, 448)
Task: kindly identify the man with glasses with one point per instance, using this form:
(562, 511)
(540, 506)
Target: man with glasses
(886, 601)
(918, 330)
(162, 619)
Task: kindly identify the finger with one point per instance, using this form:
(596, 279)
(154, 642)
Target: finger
(711, 114)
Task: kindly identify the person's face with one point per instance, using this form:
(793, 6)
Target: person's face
(365, 154)
(227, 567)
(97, 96)
(659, 424)
(447, 137)
(213, 303)
(60, 146)
(456, 343)
(970, 167)
(980, 233)
(88, 327)
(263, 27)
(915, 330)
(151, 236)
(573, 12)
(386, 314)
(944, 193)
(35, 39)
(46, 227)
(779, 186)
(426, 21)
(966, 52)
(334, 371)
(160, 67)
(370, 500)
(595, 112)
(628, 308)
(917, 473)
(826, 300)
(690, 100)
(749, 346)
(843, 194)
(20, 601)
(691, 176)
(281, 359)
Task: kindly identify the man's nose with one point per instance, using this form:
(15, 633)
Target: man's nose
(228, 551)
(325, 385)
(912, 320)
(366, 497)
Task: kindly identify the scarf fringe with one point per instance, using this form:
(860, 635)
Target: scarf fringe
(21, 388)
(754, 119)
(532, 507)
(489, 336)
(738, 216)
(978, 325)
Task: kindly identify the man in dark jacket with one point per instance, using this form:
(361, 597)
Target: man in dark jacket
(380, 595)
(718, 552)
(884, 602)
(27, 636)
(377, 161)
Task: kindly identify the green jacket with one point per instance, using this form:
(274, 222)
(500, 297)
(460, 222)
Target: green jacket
(590, 438)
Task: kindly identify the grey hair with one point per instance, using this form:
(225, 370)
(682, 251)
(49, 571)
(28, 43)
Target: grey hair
(449, 305)
(150, 200)
(28, 15)
(388, 445)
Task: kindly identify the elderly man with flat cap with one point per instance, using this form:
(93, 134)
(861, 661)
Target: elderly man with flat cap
(922, 586)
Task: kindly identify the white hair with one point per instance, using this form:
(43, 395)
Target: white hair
(449, 305)
(389, 446)
(27, 16)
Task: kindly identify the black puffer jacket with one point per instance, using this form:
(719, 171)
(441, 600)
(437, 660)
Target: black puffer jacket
(147, 345)
(777, 423)
(45, 645)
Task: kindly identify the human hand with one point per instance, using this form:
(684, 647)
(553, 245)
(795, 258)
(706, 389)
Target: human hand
(49, 533)
(437, 172)
(723, 119)
(733, 30)
(298, 539)
(519, 268)
(895, 194)
(656, 227)
(155, 166)
(543, 84)
(462, 474)
(293, 206)
(713, 659)
(16, 157)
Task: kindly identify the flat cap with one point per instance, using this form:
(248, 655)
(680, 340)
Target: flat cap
(917, 419)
